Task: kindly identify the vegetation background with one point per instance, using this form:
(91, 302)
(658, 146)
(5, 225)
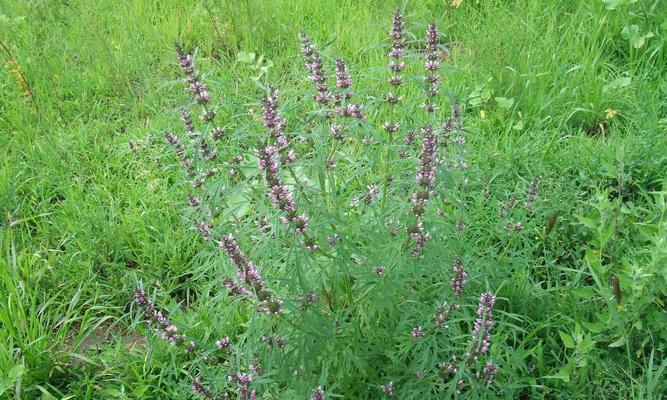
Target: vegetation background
(572, 91)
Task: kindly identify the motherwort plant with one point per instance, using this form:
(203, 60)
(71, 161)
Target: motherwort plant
(315, 320)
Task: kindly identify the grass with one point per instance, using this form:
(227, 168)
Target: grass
(551, 89)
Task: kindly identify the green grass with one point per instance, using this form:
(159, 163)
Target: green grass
(552, 89)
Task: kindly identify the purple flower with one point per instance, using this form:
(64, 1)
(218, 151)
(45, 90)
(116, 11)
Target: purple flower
(532, 194)
(163, 326)
(343, 80)
(442, 313)
(201, 390)
(449, 368)
(223, 344)
(388, 389)
(417, 333)
(187, 121)
(313, 63)
(431, 66)
(272, 120)
(459, 279)
(178, 150)
(396, 35)
(251, 281)
(489, 372)
(421, 237)
(318, 394)
(481, 338)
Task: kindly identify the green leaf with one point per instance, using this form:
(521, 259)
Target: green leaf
(620, 82)
(567, 340)
(614, 4)
(595, 327)
(620, 342)
(16, 372)
(586, 293)
(587, 222)
(245, 57)
(631, 33)
(563, 374)
(504, 102)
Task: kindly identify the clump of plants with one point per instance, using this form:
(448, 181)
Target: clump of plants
(345, 257)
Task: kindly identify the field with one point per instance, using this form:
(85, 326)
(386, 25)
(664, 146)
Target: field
(541, 208)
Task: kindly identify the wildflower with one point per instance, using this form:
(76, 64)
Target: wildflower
(163, 326)
(280, 195)
(391, 127)
(204, 229)
(190, 347)
(388, 389)
(417, 333)
(460, 278)
(217, 133)
(442, 314)
(411, 137)
(313, 63)
(318, 394)
(272, 341)
(489, 372)
(272, 120)
(420, 237)
(481, 338)
(343, 80)
(250, 277)
(371, 194)
(178, 150)
(532, 194)
(201, 390)
(431, 66)
(394, 99)
(336, 131)
(224, 344)
(396, 52)
(449, 368)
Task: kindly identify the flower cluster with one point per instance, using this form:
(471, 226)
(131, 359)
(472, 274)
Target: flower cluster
(244, 381)
(199, 388)
(280, 195)
(343, 79)
(388, 389)
(431, 66)
(318, 394)
(488, 373)
(314, 65)
(459, 279)
(163, 326)
(532, 194)
(198, 89)
(425, 179)
(173, 140)
(272, 120)
(481, 337)
(396, 66)
(251, 281)
(442, 314)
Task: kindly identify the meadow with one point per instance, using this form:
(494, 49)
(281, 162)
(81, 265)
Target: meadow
(256, 199)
